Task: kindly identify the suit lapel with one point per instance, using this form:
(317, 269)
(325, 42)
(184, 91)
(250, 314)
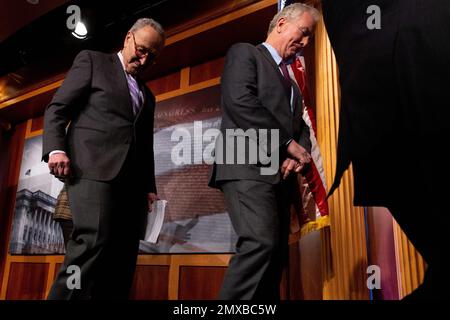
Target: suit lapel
(297, 104)
(122, 84)
(268, 57)
(146, 113)
(266, 54)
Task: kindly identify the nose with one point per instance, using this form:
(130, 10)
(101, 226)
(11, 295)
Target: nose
(304, 42)
(142, 60)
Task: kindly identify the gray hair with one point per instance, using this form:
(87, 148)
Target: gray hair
(144, 22)
(293, 11)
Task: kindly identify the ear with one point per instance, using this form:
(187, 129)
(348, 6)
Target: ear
(280, 24)
(127, 38)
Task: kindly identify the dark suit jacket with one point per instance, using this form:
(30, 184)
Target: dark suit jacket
(103, 131)
(394, 90)
(253, 97)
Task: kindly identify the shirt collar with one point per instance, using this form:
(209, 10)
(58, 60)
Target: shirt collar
(276, 57)
(121, 60)
(119, 54)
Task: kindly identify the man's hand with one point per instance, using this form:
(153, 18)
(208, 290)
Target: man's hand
(290, 165)
(298, 153)
(151, 197)
(59, 165)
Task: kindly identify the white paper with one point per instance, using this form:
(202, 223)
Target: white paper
(155, 221)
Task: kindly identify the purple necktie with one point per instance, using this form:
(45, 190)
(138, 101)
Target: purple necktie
(135, 93)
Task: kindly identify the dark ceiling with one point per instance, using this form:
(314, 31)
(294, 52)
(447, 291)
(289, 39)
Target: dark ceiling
(16, 14)
(42, 48)
(47, 40)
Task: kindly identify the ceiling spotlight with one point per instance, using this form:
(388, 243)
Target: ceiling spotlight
(80, 31)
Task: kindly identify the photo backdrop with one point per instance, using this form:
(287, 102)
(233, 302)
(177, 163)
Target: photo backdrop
(195, 221)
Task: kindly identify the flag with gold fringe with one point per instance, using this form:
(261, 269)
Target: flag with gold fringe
(309, 211)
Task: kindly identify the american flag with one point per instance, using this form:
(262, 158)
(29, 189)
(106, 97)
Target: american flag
(311, 213)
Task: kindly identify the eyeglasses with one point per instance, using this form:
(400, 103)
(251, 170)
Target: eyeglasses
(306, 32)
(143, 52)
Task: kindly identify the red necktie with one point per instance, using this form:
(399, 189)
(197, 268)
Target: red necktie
(288, 86)
(287, 78)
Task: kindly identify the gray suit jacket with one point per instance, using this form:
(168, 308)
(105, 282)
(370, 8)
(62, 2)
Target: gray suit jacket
(253, 97)
(103, 131)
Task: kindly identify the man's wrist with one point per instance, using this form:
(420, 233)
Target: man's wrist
(289, 141)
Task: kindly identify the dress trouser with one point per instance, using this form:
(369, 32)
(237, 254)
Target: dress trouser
(259, 214)
(108, 221)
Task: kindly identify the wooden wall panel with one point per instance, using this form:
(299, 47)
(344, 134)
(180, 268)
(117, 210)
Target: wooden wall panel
(29, 105)
(206, 71)
(37, 124)
(150, 283)
(5, 144)
(200, 283)
(57, 267)
(410, 264)
(302, 278)
(27, 281)
(10, 160)
(205, 12)
(165, 84)
(348, 241)
(305, 273)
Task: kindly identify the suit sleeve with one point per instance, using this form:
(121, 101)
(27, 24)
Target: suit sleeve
(240, 92)
(151, 179)
(151, 186)
(304, 139)
(64, 104)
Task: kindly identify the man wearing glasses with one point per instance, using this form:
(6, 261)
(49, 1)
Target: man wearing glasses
(258, 93)
(106, 160)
